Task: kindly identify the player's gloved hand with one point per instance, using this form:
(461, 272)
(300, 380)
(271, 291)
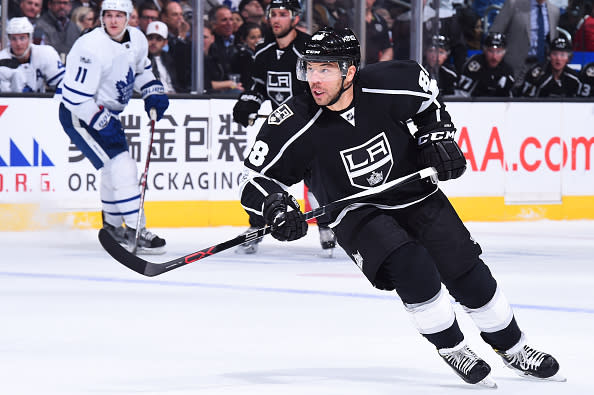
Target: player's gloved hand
(154, 96)
(281, 211)
(249, 103)
(109, 126)
(437, 148)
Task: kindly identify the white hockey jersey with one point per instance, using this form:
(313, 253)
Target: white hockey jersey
(103, 72)
(44, 67)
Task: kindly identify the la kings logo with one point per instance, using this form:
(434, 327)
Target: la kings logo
(370, 163)
(279, 86)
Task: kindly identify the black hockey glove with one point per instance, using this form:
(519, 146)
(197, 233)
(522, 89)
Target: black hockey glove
(281, 211)
(437, 148)
(248, 103)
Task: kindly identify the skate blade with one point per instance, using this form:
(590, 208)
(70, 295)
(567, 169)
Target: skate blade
(247, 250)
(150, 251)
(327, 253)
(487, 382)
(558, 377)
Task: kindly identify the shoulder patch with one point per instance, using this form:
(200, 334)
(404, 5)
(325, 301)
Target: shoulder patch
(536, 71)
(590, 71)
(474, 66)
(280, 115)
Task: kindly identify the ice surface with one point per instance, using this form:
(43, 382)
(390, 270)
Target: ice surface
(284, 321)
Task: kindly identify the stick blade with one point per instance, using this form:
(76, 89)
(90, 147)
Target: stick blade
(121, 254)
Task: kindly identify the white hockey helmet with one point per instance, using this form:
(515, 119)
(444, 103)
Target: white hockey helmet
(116, 5)
(20, 25)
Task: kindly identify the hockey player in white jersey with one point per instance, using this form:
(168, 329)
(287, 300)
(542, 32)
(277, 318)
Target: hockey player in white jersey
(103, 67)
(27, 67)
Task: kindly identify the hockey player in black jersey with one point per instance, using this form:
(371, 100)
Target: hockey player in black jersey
(587, 78)
(487, 74)
(437, 52)
(555, 78)
(349, 133)
(274, 79)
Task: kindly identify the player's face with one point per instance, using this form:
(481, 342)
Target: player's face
(31, 8)
(559, 60)
(115, 22)
(494, 56)
(19, 43)
(325, 80)
(253, 38)
(155, 44)
(281, 21)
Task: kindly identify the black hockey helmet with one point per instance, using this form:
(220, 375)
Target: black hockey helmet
(495, 40)
(329, 45)
(439, 41)
(292, 5)
(561, 44)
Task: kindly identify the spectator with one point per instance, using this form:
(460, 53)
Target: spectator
(237, 21)
(330, 13)
(31, 9)
(526, 24)
(147, 13)
(55, 28)
(472, 28)
(572, 16)
(379, 47)
(162, 63)
(179, 43)
(587, 78)
(555, 78)
(487, 74)
(133, 21)
(251, 11)
(437, 52)
(33, 67)
(215, 80)
(248, 36)
(223, 48)
(583, 39)
(84, 17)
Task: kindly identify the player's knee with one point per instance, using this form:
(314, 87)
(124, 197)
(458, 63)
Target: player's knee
(473, 288)
(122, 171)
(410, 271)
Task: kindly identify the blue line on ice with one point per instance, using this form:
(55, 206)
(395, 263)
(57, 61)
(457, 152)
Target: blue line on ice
(234, 287)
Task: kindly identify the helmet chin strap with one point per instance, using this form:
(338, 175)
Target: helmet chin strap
(340, 92)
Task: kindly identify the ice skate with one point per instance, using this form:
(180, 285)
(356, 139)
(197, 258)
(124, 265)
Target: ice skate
(117, 232)
(468, 365)
(148, 243)
(530, 363)
(251, 246)
(327, 241)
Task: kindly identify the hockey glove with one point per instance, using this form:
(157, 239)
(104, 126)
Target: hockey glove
(248, 103)
(437, 148)
(281, 211)
(109, 127)
(154, 96)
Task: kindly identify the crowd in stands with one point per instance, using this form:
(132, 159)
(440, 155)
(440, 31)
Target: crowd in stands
(504, 48)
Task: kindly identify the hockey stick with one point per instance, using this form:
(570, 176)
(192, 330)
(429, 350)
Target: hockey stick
(153, 116)
(151, 269)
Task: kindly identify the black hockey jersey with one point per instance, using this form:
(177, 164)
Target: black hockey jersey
(273, 70)
(587, 78)
(539, 82)
(477, 79)
(345, 152)
(446, 77)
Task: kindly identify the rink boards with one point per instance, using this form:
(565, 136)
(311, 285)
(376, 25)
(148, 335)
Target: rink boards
(526, 161)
